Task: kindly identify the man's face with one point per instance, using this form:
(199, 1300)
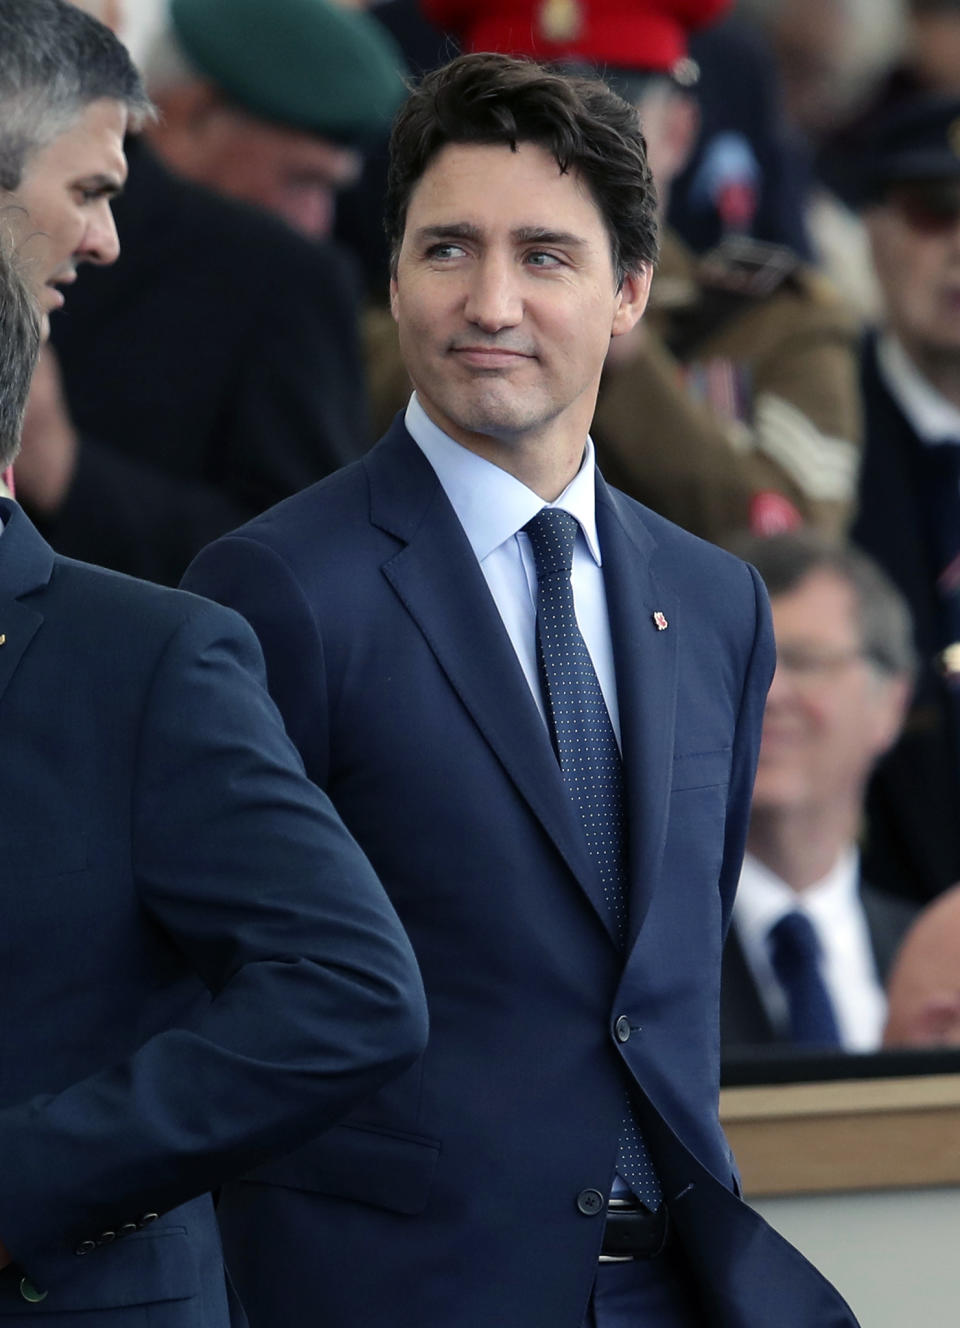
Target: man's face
(830, 714)
(61, 210)
(506, 299)
(915, 241)
(289, 172)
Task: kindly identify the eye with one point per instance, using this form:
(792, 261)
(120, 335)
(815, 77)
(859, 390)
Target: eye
(445, 250)
(543, 259)
(93, 194)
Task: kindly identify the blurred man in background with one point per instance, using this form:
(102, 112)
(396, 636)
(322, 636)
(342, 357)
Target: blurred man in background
(812, 940)
(272, 103)
(924, 986)
(908, 515)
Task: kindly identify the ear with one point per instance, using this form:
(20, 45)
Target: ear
(393, 298)
(631, 300)
(892, 705)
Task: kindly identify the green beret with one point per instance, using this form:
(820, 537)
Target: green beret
(305, 63)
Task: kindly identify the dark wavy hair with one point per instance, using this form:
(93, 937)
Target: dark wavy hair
(488, 99)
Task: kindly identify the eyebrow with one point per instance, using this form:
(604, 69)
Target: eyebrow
(465, 230)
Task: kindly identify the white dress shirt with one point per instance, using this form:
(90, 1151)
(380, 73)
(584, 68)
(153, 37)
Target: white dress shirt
(493, 507)
(847, 963)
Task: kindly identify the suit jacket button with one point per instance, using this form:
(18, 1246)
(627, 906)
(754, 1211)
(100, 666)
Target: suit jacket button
(30, 1292)
(146, 1220)
(127, 1229)
(86, 1247)
(622, 1029)
(590, 1202)
(106, 1237)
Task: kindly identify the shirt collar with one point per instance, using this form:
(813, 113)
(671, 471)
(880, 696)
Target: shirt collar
(763, 898)
(491, 504)
(934, 419)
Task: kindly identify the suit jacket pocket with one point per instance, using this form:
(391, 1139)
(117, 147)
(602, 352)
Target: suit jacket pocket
(144, 1269)
(372, 1166)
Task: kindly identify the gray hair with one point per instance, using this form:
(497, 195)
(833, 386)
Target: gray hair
(54, 61)
(883, 616)
(19, 347)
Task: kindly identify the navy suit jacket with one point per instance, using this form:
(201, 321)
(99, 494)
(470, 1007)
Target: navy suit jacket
(470, 1191)
(198, 967)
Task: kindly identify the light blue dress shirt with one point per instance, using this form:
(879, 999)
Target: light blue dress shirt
(493, 507)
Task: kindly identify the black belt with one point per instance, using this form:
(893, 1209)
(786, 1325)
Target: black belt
(632, 1232)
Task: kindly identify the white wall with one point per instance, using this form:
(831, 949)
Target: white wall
(894, 1254)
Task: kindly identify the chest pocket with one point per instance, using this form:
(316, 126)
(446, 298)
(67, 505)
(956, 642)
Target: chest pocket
(701, 770)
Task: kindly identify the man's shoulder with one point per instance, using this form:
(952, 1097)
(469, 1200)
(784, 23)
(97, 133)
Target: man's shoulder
(671, 546)
(337, 511)
(130, 611)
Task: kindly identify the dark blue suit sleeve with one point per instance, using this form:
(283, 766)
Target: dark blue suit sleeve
(746, 747)
(315, 997)
(254, 579)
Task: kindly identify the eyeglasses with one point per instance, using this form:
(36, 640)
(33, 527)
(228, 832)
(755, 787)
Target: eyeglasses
(929, 207)
(808, 666)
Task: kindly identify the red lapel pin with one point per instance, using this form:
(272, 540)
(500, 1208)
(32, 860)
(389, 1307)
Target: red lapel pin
(659, 621)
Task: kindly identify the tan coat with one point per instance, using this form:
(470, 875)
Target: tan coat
(738, 391)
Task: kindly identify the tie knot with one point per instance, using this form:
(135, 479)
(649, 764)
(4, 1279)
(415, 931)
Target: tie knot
(553, 533)
(793, 940)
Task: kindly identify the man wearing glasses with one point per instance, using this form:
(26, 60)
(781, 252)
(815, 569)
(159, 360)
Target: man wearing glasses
(812, 941)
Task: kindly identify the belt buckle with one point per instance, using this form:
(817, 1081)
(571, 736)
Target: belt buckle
(625, 1205)
(622, 1205)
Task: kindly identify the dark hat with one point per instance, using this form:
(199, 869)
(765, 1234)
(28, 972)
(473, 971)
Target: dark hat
(917, 139)
(305, 63)
(643, 35)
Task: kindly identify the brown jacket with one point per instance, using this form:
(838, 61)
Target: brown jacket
(735, 402)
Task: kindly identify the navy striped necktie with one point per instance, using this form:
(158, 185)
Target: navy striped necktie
(586, 747)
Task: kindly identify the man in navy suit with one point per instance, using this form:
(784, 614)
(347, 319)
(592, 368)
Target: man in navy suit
(199, 967)
(555, 1159)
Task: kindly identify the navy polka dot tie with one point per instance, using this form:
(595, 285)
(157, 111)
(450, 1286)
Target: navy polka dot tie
(586, 747)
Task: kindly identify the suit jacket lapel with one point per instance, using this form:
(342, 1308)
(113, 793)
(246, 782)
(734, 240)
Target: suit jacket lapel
(645, 659)
(26, 563)
(437, 578)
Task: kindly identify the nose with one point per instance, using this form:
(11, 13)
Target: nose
(100, 243)
(493, 296)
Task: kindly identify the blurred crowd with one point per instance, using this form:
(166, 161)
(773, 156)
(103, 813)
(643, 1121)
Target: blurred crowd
(793, 391)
